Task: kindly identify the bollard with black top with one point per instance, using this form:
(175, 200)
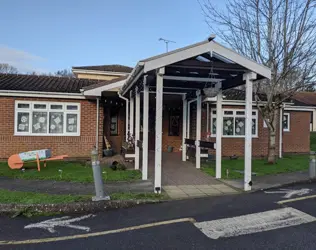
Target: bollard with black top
(97, 176)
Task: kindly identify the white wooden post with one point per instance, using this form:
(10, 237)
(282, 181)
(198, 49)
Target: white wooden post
(137, 128)
(248, 77)
(219, 132)
(131, 114)
(184, 128)
(207, 117)
(198, 128)
(159, 113)
(280, 132)
(145, 130)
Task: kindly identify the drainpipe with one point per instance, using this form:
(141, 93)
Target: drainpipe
(97, 128)
(189, 115)
(126, 116)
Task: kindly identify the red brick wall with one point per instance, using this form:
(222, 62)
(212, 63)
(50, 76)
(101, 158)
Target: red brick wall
(297, 139)
(74, 146)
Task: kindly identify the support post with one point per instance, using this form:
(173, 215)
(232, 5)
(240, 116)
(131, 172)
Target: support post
(281, 133)
(184, 127)
(159, 113)
(131, 114)
(248, 77)
(219, 132)
(207, 117)
(198, 129)
(145, 130)
(137, 129)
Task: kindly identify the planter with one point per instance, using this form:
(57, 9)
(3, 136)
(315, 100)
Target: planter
(128, 154)
(108, 152)
(170, 149)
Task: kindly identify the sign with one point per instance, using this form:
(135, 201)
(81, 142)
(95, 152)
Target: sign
(65, 221)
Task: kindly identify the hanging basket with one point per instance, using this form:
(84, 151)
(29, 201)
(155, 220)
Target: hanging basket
(210, 92)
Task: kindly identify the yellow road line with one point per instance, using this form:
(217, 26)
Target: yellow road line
(296, 199)
(81, 236)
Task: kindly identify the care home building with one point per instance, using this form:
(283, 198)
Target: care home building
(167, 101)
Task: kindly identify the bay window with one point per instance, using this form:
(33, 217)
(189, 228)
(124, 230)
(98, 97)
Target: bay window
(234, 121)
(46, 118)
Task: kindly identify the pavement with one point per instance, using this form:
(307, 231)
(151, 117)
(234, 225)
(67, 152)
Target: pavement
(74, 188)
(270, 181)
(247, 221)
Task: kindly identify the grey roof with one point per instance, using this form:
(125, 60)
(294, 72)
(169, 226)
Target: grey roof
(109, 68)
(34, 83)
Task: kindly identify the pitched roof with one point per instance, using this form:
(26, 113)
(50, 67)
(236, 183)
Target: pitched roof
(103, 83)
(305, 99)
(109, 68)
(19, 82)
(239, 95)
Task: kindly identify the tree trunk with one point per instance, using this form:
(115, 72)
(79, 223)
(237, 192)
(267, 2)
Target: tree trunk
(272, 139)
(272, 147)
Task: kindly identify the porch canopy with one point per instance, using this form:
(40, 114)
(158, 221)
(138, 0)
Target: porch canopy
(188, 72)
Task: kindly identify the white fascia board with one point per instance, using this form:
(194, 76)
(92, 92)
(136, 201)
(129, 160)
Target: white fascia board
(300, 108)
(98, 91)
(130, 82)
(241, 60)
(98, 72)
(15, 93)
(176, 56)
(192, 79)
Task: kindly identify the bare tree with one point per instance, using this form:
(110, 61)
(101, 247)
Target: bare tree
(8, 69)
(64, 72)
(279, 34)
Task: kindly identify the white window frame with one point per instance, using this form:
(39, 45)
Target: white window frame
(48, 110)
(234, 115)
(288, 122)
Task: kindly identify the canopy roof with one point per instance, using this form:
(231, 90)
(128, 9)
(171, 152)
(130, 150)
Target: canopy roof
(195, 67)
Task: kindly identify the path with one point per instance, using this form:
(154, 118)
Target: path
(182, 180)
(62, 187)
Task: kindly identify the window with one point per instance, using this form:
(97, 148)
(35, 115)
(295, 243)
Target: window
(234, 122)
(114, 123)
(43, 118)
(174, 123)
(286, 122)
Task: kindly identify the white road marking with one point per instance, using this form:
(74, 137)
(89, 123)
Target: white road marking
(61, 222)
(290, 192)
(254, 223)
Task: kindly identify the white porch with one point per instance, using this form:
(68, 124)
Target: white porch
(188, 72)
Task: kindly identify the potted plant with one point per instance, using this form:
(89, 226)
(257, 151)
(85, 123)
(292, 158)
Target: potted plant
(108, 151)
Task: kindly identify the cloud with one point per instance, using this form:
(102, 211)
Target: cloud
(22, 60)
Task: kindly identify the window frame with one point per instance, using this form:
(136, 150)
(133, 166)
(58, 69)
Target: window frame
(234, 115)
(114, 113)
(288, 122)
(48, 110)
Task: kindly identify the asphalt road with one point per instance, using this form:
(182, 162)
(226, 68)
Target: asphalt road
(181, 235)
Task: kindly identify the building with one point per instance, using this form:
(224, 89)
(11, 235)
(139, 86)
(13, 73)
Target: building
(160, 102)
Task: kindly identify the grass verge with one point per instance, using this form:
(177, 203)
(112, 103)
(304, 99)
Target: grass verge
(260, 167)
(18, 197)
(67, 171)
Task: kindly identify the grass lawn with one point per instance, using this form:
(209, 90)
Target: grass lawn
(18, 197)
(286, 164)
(67, 171)
(313, 141)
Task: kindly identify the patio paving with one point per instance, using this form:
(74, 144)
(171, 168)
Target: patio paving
(182, 180)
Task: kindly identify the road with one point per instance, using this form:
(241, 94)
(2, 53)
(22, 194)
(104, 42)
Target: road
(291, 225)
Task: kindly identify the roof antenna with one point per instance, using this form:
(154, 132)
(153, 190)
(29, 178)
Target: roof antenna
(167, 42)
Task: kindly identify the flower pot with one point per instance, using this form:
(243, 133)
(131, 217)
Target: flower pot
(108, 152)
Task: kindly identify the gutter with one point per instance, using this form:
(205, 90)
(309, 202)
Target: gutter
(134, 75)
(41, 94)
(97, 72)
(126, 115)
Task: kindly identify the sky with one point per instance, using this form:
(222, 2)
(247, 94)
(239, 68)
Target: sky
(48, 35)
